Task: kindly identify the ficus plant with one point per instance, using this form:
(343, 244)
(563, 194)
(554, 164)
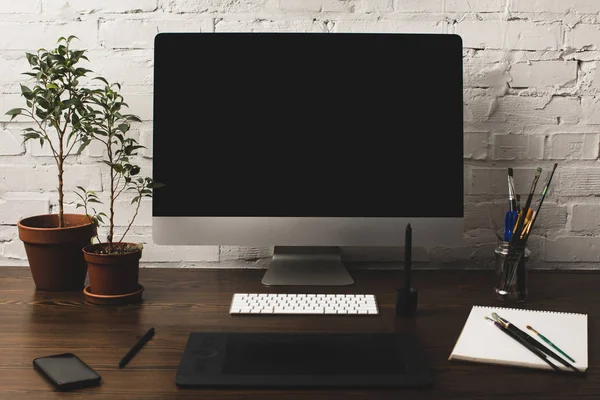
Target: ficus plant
(106, 123)
(56, 103)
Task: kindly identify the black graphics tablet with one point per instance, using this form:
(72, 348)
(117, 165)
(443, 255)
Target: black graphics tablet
(228, 359)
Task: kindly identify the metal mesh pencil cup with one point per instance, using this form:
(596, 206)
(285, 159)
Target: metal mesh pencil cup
(511, 272)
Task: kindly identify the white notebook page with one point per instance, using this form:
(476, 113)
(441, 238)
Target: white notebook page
(481, 341)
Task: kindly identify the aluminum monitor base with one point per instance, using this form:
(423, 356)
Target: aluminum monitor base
(307, 266)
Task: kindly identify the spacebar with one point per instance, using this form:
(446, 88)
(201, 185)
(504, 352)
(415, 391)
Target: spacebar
(289, 311)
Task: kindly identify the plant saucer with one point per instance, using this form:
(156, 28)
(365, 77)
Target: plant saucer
(113, 299)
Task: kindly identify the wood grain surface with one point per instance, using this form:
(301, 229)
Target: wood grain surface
(179, 301)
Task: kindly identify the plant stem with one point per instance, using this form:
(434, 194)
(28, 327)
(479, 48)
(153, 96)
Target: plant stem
(137, 209)
(61, 161)
(112, 190)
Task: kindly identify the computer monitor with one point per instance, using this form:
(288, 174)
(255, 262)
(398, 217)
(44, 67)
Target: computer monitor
(307, 142)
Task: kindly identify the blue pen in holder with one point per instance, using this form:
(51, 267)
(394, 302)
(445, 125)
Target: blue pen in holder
(510, 220)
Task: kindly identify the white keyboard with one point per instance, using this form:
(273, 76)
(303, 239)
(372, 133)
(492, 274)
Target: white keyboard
(280, 303)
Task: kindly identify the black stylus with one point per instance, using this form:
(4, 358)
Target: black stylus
(407, 258)
(134, 350)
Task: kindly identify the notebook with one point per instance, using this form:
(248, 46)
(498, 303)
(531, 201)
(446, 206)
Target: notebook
(482, 342)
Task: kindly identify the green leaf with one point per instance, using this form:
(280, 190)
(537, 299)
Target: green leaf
(15, 111)
(93, 200)
(156, 185)
(101, 79)
(135, 199)
(29, 136)
(25, 90)
(71, 38)
(51, 86)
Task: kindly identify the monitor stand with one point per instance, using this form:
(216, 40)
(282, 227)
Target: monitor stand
(307, 266)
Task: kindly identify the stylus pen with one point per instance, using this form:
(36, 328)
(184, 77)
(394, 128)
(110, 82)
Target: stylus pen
(407, 258)
(134, 350)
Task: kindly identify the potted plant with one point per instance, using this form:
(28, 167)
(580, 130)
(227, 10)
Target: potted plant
(56, 105)
(113, 264)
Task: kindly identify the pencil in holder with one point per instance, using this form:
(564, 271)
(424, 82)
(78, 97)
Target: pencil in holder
(511, 272)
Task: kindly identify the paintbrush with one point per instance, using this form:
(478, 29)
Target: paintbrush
(544, 192)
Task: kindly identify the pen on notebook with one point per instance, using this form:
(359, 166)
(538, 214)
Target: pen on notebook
(136, 347)
(545, 339)
(523, 342)
(510, 326)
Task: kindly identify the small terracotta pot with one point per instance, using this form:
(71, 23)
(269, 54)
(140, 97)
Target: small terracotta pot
(112, 274)
(54, 254)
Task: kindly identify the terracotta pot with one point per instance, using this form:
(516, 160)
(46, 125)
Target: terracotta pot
(112, 273)
(54, 254)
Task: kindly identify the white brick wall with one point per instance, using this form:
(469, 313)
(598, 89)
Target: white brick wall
(532, 98)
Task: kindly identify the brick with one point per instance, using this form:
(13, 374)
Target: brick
(13, 251)
(543, 74)
(431, 25)
(574, 146)
(476, 145)
(21, 7)
(8, 101)
(30, 36)
(555, 6)
(485, 215)
(475, 6)
(129, 67)
(12, 66)
(11, 141)
(140, 104)
(139, 34)
(591, 109)
(586, 36)
(369, 6)
(14, 209)
(248, 253)
(572, 249)
(552, 215)
(124, 211)
(246, 24)
(585, 217)
(516, 35)
(576, 182)
(146, 134)
(522, 110)
(595, 75)
(42, 178)
(494, 181)
(99, 6)
(313, 5)
(517, 147)
(212, 6)
(159, 253)
(449, 5)
(477, 73)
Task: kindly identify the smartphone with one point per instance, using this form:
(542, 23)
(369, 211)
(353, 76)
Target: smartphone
(66, 371)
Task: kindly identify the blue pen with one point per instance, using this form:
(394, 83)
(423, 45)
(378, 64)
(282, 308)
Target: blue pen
(510, 221)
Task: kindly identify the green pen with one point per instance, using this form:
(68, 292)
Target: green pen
(545, 339)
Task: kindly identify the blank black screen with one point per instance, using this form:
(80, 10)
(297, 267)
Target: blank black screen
(308, 124)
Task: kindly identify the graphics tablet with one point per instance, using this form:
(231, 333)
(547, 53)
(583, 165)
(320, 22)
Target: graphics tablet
(282, 359)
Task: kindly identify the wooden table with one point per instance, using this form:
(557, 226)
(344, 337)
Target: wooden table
(176, 302)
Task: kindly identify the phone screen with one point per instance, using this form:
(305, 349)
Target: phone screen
(66, 369)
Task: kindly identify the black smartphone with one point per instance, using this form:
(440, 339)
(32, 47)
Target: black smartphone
(66, 371)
